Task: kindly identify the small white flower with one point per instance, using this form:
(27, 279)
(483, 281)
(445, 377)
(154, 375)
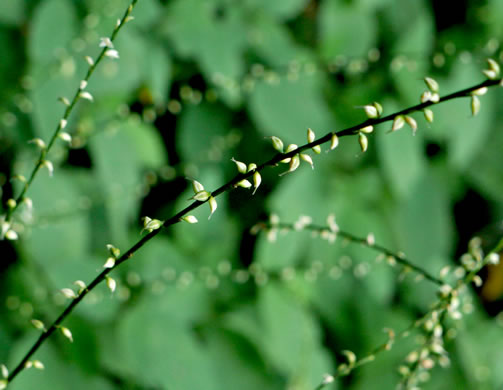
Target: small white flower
(110, 263)
(316, 149)
(89, 60)
(5, 227)
(363, 141)
(150, 224)
(350, 355)
(115, 252)
(257, 179)
(213, 205)
(64, 100)
(38, 365)
(83, 84)
(68, 293)
(244, 184)
(445, 290)
(431, 84)
(11, 235)
(412, 123)
(334, 141)
(428, 114)
(21, 178)
(480, 91)
(63, 123)
(332, 225)
(67, 333)
(65, 137)
(370, 111)
(106, 42)
(475, 105)
(277, 144)
(307, 158)
(291, 148)
(48, 164)
(490, 74)
(196, 186)
(11, 203)
(367, 129)
(493, 258)
(240, 165)
(310, 135)
(327, 379)
(378, 108)
(38, 142)
(189, 219)
(398, 123)
(494, 69)
(251, 167)
(444, 271)
(493, 65)
(86, 95)
(202, 196)
(37, 324)
(111, 283)
(428, 96)
(112, 53)
(81, 285)
(294, 164)
(5, 371)
(477, 281)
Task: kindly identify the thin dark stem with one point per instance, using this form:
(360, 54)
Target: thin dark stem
(441, 306)
(226, 187)
(44, 151)
(399, 258)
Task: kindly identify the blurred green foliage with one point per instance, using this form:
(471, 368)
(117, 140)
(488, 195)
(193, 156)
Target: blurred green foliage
(197, 83)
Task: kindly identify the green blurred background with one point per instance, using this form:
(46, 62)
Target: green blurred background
(197, 83)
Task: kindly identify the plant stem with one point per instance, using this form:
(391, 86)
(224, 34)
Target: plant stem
(363, 241)
(44, 151)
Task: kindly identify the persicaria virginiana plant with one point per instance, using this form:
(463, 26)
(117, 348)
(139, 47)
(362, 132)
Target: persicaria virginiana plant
(250, 195)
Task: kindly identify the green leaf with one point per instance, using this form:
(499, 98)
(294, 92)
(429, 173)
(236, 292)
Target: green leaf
(160, 350)
(201, 128)
(402, 159)
(12, 12)
(274, 43)
(53, 27)
(485, 169)
(157, 72)
(287, 109)
(147, 13)
(58, 240)
(279, 9)
(237, 362)
(345, 29)
(465, 135)
(120, 156)
(216, 43)
(291, 337)
(423, 224)
(413, 29)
